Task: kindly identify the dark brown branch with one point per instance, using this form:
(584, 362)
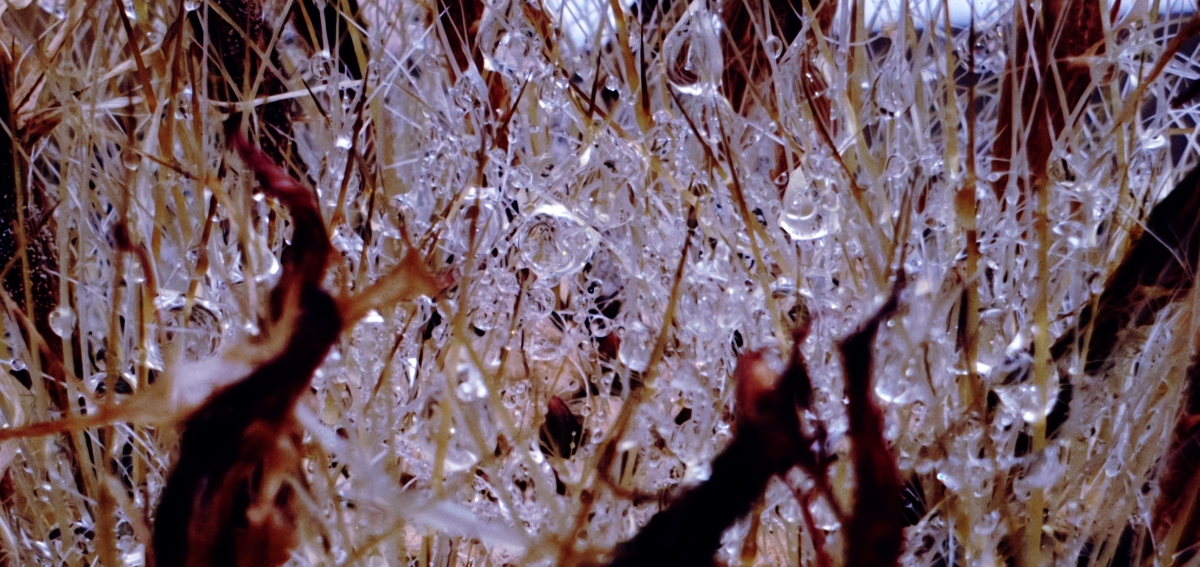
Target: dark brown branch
(875, 529)
(768, 442)
(220, 505)
(1063, 32)
(1157, 271)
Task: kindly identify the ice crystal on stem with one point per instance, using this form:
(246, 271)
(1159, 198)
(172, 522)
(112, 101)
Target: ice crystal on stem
(622, 201)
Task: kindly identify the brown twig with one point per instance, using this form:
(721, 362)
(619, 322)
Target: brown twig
(875, 529)
(227, 500)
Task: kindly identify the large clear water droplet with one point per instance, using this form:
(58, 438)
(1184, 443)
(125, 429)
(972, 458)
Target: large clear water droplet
(62, 321)
(807, 215)
(555, 243)
(692, 51)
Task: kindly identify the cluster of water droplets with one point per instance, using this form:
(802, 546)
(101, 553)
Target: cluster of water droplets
(612, 246)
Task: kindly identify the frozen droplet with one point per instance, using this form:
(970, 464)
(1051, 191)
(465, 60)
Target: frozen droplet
(517, 55)
(459, 460)
(897, 167)
(730, 308)
(1046, 469)
(373, 318)
(1116, 459)
(1154, 141)
(539, 302)
(543, 344)
(636, 347)
(131, 159)
(692, 52)
(191, 5)
(520, 177)
(62, 321)
(555, 243)
(892, 389)
(479, 222)
(470, 380)
(343, 143)
(1027, 401)
(894, 89)
(486, 315)
(773, 46)
(952, 482)
(823, 516)
(1103, 71)
(1057, 170)
(988, 524)
(802, 217)
(600, 325)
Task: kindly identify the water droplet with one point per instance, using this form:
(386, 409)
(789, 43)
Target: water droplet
(1154, 141)
(62, 321)
(773, 46)
(894, 92)
(539, 302)
(555, 243)
(636, 346)
(191, 5)
(131, 159)
(343, 142)
(373, 317)
(470, 380)
(803, 217)
(952, 482)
